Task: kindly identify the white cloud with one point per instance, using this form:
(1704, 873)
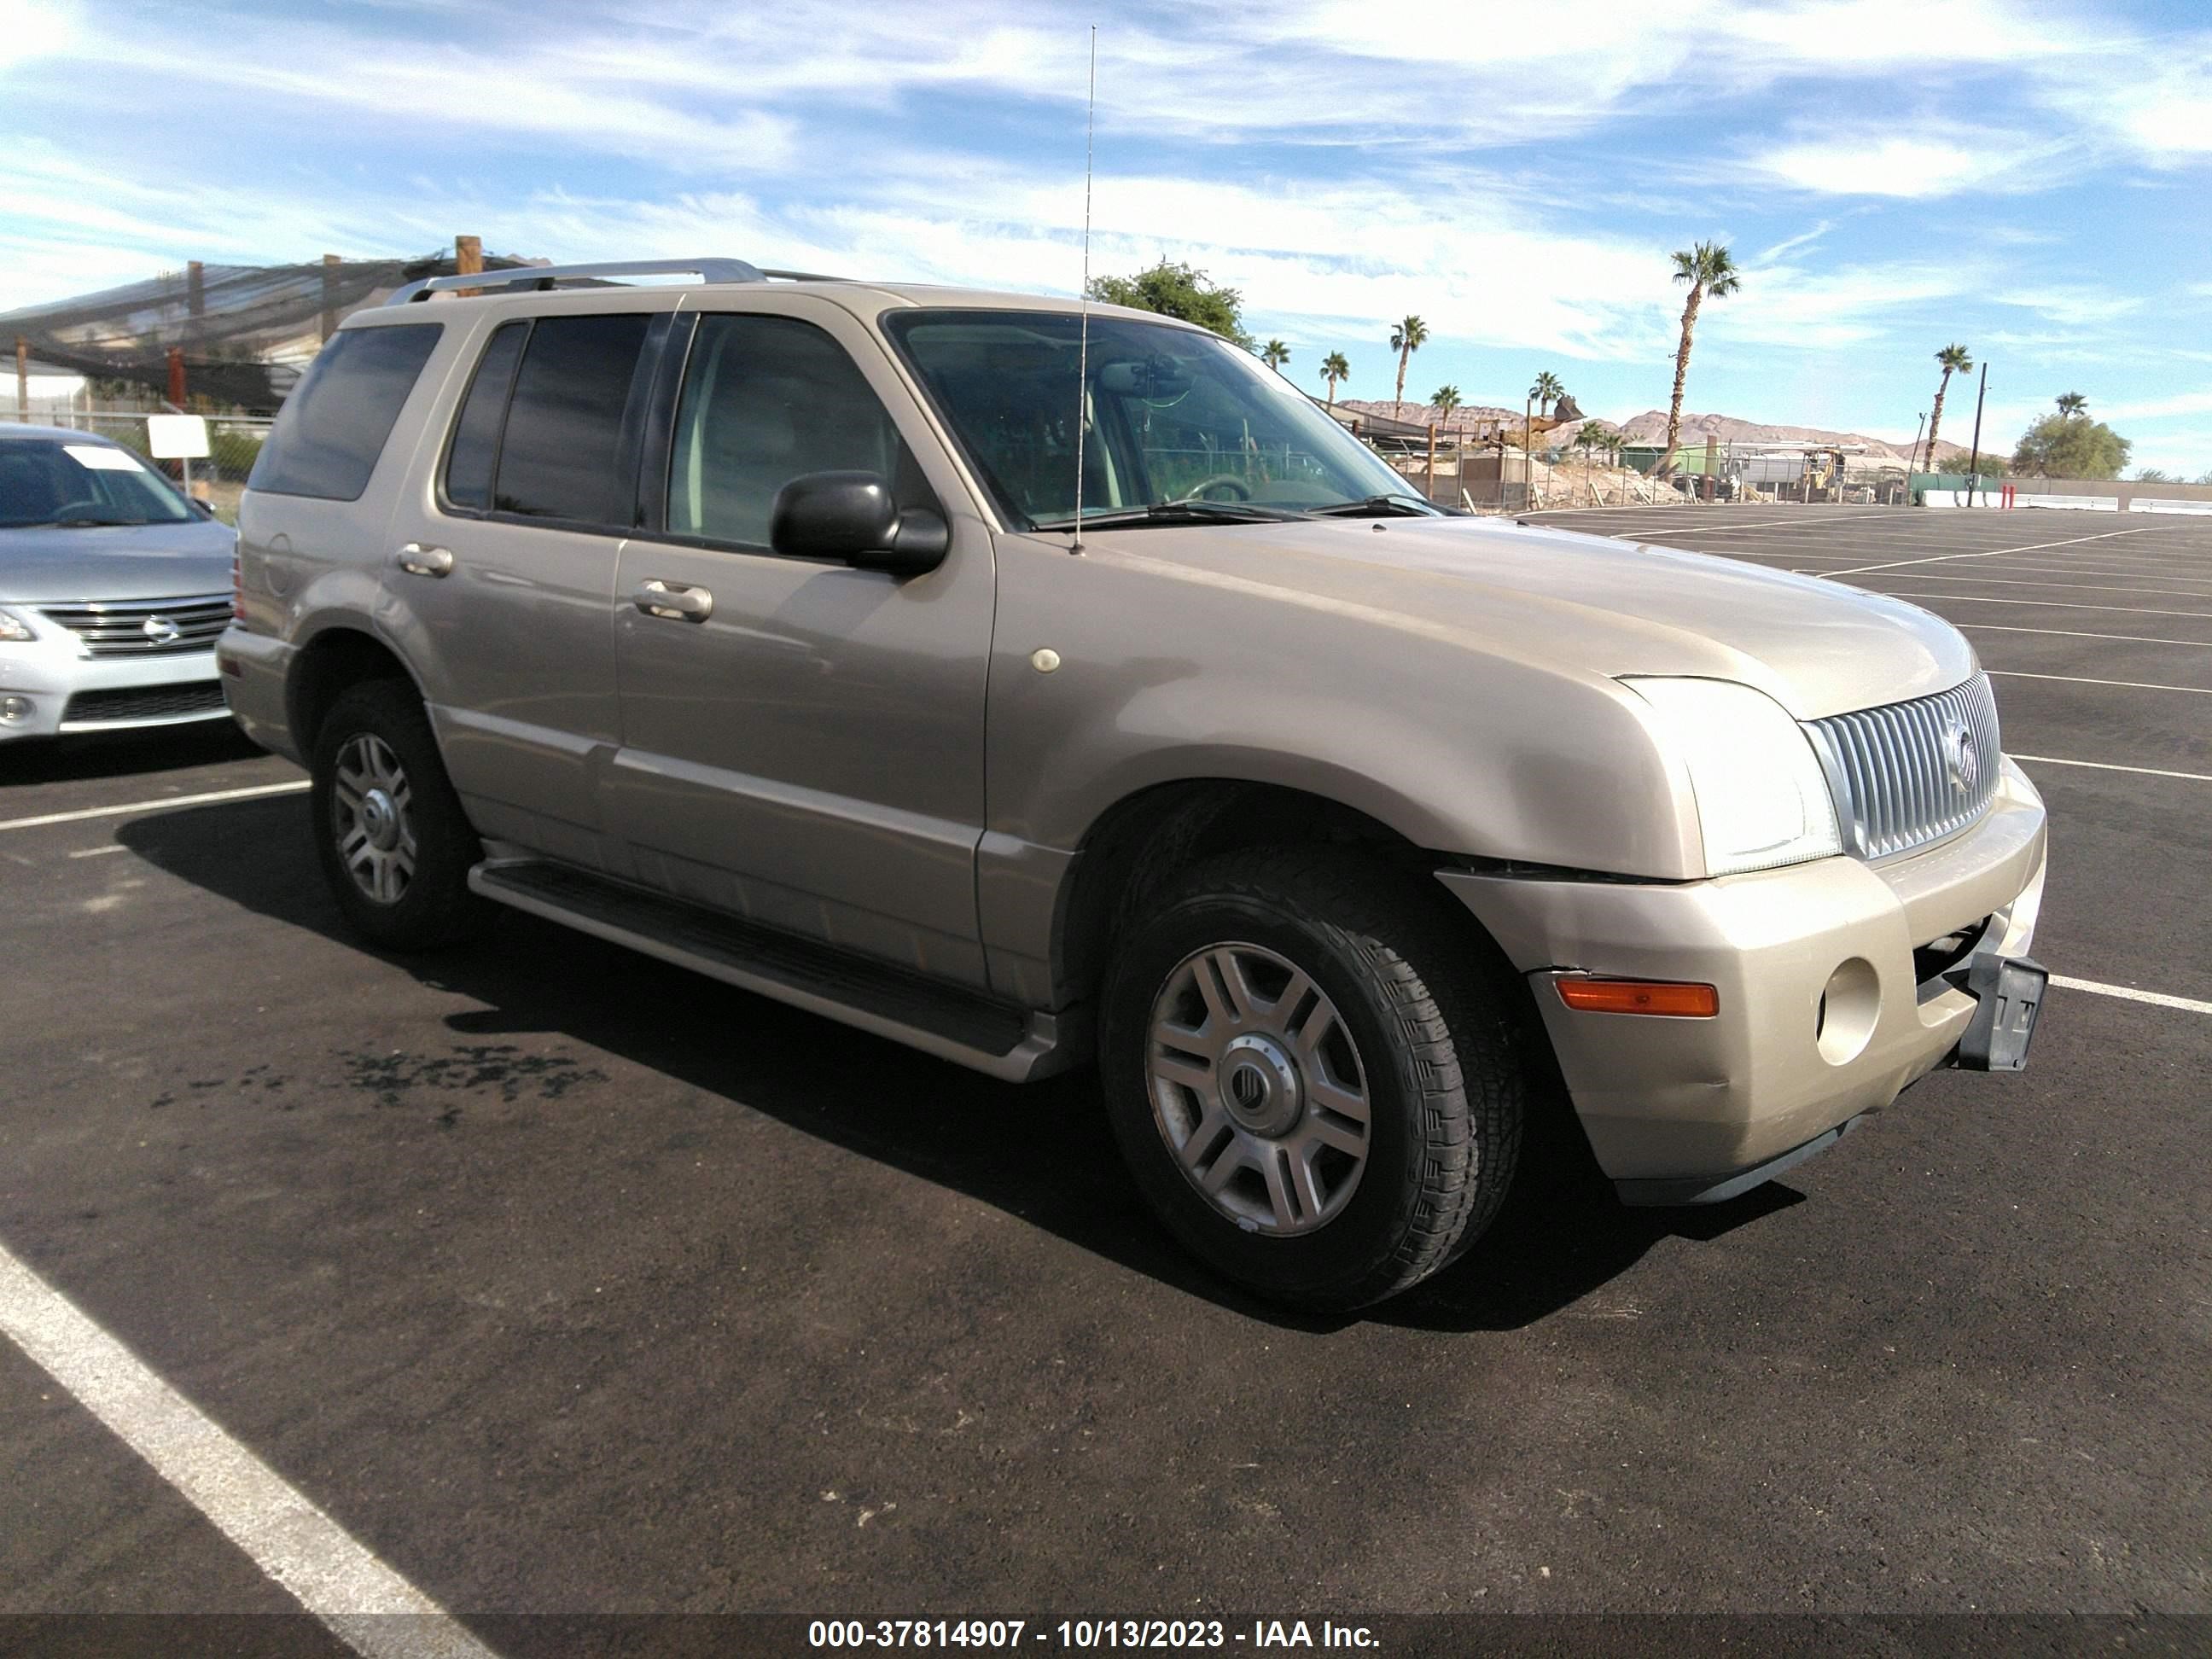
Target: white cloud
(32, 28)
(2152, 97)
(1934, 163)
(2150, 409)
(2073, 306)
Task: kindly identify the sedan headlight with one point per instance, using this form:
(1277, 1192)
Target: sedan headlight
(14, 630)
(1762, 798)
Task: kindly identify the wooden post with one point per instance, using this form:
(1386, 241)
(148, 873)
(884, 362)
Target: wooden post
(22, 380)
(331, 263)
(468, 261)
(1429, 489)
(177, 376)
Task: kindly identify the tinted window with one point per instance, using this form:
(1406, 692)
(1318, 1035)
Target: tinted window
(766, 399)
(80, 481)
(561, 456)
(476, 434)
(335, 423)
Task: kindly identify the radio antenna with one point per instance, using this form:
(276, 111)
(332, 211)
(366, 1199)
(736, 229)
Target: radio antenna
(1083, 345)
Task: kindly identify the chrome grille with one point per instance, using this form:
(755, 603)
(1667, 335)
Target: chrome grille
(120, 628)
(1911, 773)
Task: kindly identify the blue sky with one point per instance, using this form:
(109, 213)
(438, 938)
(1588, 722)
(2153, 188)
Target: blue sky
(2030, 179)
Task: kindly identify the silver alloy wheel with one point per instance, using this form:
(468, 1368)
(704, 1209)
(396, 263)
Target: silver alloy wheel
(1258, 1089)
(370, 816)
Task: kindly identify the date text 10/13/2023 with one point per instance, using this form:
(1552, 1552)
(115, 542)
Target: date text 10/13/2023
(1085, 1634)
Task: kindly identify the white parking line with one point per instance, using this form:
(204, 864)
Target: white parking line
(2108, 766)
(316, 1561)
(2048, 605)
(1764, 527)
(2079, 679)
(161, 804)
(2077, 634)
(1992, 553)
(2001, 578)
(2128, 992)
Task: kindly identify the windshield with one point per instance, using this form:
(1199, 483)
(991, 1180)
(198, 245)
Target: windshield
(1174, 416)
(81, 481)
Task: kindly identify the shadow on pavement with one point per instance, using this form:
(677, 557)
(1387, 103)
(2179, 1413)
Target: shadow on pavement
(122, 754)
(1041, 1152)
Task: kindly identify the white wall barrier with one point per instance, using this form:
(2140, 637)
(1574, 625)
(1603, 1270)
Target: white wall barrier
(2002, 496)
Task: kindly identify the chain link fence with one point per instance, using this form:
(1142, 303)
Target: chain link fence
(217, 478)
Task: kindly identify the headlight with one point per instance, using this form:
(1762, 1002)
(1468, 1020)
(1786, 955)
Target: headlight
(1762, 798)
(14, 630)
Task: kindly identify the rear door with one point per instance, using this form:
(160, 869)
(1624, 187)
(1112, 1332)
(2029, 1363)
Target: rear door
(503, 565)
(802, 742)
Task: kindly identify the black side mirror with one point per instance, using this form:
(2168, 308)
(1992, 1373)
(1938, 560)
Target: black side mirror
(851, 517)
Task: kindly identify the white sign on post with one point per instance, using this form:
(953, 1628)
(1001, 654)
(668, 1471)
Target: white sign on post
(176, 437)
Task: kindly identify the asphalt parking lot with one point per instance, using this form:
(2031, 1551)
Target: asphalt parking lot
(564, 1282)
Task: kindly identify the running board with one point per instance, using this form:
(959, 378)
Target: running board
(961, 1026)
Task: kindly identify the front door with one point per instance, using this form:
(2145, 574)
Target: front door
(802, 742)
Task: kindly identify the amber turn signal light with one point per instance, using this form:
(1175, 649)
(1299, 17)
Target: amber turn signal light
(1640, 996)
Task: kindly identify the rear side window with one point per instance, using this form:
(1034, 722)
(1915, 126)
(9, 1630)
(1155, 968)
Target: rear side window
(475, 435)
(563, 453)
(336, 421)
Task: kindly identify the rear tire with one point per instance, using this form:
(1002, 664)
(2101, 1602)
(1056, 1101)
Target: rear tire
(1313, 1076)
(395, 845)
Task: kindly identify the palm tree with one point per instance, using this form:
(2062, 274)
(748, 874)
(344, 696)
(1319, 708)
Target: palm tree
(2071, 404)
(1588, 436)
(1443, 401)
(1275, 354)
(1407, 338)
(1547, 392)
(1954, 360)
(1709, 271)
(1332, 369)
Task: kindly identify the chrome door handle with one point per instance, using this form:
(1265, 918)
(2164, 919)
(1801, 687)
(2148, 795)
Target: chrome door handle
(417, 559)
(673, 600)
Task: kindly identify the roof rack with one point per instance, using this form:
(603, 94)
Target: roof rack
(545, 277)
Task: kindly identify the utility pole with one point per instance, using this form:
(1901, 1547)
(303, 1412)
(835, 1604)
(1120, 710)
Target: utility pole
(1913, 454)
(1528, 454)
(1974, 460)
(468, 261)
(1429, 489)
(22, 380)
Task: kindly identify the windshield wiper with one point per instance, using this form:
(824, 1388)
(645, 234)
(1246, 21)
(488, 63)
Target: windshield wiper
(1378, 506)
(1176, 512)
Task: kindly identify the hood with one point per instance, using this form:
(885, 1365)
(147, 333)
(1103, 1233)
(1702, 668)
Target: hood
(48, 566)
(1565, 599)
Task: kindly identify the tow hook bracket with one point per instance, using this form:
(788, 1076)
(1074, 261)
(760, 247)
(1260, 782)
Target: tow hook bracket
(2009, 995)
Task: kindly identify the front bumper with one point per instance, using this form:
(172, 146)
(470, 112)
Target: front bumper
(1823, 1016)
(49, 689)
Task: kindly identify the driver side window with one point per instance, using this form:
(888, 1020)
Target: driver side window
(767, 400)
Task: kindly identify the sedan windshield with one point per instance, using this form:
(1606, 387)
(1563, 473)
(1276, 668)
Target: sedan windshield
(1173, 417)
(81, 482)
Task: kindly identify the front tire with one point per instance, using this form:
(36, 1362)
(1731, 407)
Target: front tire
(395, 846)
(1313, 1078)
